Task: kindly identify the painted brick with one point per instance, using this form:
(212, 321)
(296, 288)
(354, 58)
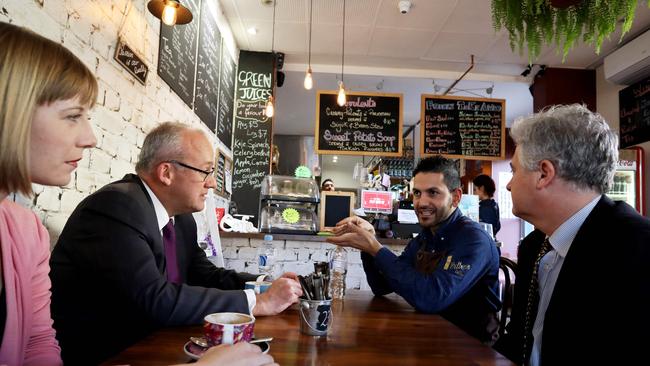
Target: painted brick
(49, 199)
(229, 252)
(287, 255)
(70, 199)
(100, 161)
(319, 257)
(247, 253)
(85, 180)
(54, 222)
(119, 168)
(236, 265)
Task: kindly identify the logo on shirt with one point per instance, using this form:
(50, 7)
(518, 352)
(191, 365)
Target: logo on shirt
(457, 267)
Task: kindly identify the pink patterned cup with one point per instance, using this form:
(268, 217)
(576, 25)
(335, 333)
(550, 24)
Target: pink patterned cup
(228, 328)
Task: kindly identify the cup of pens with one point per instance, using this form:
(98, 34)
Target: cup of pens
(315, 309)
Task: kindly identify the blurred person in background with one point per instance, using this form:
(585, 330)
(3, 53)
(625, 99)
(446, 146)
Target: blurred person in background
(488, 209)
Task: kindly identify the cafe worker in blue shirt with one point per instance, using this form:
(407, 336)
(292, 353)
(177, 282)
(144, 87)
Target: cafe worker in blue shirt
(451, 268)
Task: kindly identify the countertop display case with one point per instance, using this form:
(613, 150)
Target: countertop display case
(288, 205)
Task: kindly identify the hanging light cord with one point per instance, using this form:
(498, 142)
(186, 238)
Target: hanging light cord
(343, 50)
(273, 32)
(311, 11)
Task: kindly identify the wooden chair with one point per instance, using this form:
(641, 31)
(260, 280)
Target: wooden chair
(509, 268)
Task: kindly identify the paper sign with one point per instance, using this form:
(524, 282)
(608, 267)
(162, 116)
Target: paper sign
(377, 201)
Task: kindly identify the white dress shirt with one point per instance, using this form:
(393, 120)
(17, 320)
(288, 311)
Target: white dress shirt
(549, 269)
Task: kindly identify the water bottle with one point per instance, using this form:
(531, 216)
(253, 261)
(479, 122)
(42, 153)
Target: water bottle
(338, 270)
(266, 258)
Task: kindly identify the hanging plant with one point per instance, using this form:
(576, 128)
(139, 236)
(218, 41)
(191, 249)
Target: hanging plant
(534, 22)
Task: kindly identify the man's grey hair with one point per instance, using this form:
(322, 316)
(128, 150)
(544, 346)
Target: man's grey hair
(163, 143)
(579, 144)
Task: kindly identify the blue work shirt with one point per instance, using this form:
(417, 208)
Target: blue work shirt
(463, 284)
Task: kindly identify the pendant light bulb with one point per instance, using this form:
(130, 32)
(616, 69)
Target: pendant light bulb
(270, 109)
(340, 100)
(309, 82)
(169, 13)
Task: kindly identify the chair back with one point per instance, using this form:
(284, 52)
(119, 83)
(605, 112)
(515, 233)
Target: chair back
(509, 269)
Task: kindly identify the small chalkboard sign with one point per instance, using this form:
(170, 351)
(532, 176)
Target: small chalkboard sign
(220, 173)
(126, 57)
(462, 127)
(334, 207)
(634, 113)
(368, 124)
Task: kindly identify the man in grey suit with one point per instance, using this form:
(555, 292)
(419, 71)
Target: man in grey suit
(127, 261)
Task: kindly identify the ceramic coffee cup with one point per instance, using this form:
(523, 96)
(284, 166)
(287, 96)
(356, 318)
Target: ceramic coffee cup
(228, 328)
(258, 287)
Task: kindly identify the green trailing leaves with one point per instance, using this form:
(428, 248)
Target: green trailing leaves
(532, 23)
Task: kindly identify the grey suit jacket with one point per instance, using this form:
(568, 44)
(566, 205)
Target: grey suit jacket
(108, 271)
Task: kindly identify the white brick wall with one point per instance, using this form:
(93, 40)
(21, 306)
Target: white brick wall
(126, 110)
(294, 256)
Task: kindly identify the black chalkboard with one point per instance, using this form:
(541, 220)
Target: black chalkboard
(252, 130)
(226, 98)
(334, 207)
(206, 89)
(177, 56)
(131, 61)
(634, 113)
(462, 127)
(369, 124)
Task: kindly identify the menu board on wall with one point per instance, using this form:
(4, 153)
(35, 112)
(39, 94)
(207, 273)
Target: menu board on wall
(634, 113)
(177, 56)
(206, 89)
(368, 124)
(462, 127)
(252, 129)
(226, 98)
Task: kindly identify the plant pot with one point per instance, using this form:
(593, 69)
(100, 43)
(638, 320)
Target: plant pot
(562, 4)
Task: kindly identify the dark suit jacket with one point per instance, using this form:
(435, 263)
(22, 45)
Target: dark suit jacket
(599, 312)
(108, 272)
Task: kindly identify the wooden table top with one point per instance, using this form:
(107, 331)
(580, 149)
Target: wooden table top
(366, 330)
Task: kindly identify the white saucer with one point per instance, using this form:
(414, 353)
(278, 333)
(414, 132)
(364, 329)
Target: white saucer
(195, 352)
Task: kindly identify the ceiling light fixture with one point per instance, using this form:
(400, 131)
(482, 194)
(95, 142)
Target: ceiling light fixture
(309, 82)
(170, 12)
(340, 100)
(252, 31)
(270, 109)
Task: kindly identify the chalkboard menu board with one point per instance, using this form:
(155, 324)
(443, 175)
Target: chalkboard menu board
(177, 56)
(206, 89)
(226, 98)
(634, 113)
(368, 124)
(252, 130)
(462, 127)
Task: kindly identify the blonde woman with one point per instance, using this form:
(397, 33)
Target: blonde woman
(45, 97)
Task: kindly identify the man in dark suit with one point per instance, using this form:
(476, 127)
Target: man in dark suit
(582, 293)
(118, 272)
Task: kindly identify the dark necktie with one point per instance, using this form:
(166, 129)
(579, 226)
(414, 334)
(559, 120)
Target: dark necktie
(533, 300)
(169, 241)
